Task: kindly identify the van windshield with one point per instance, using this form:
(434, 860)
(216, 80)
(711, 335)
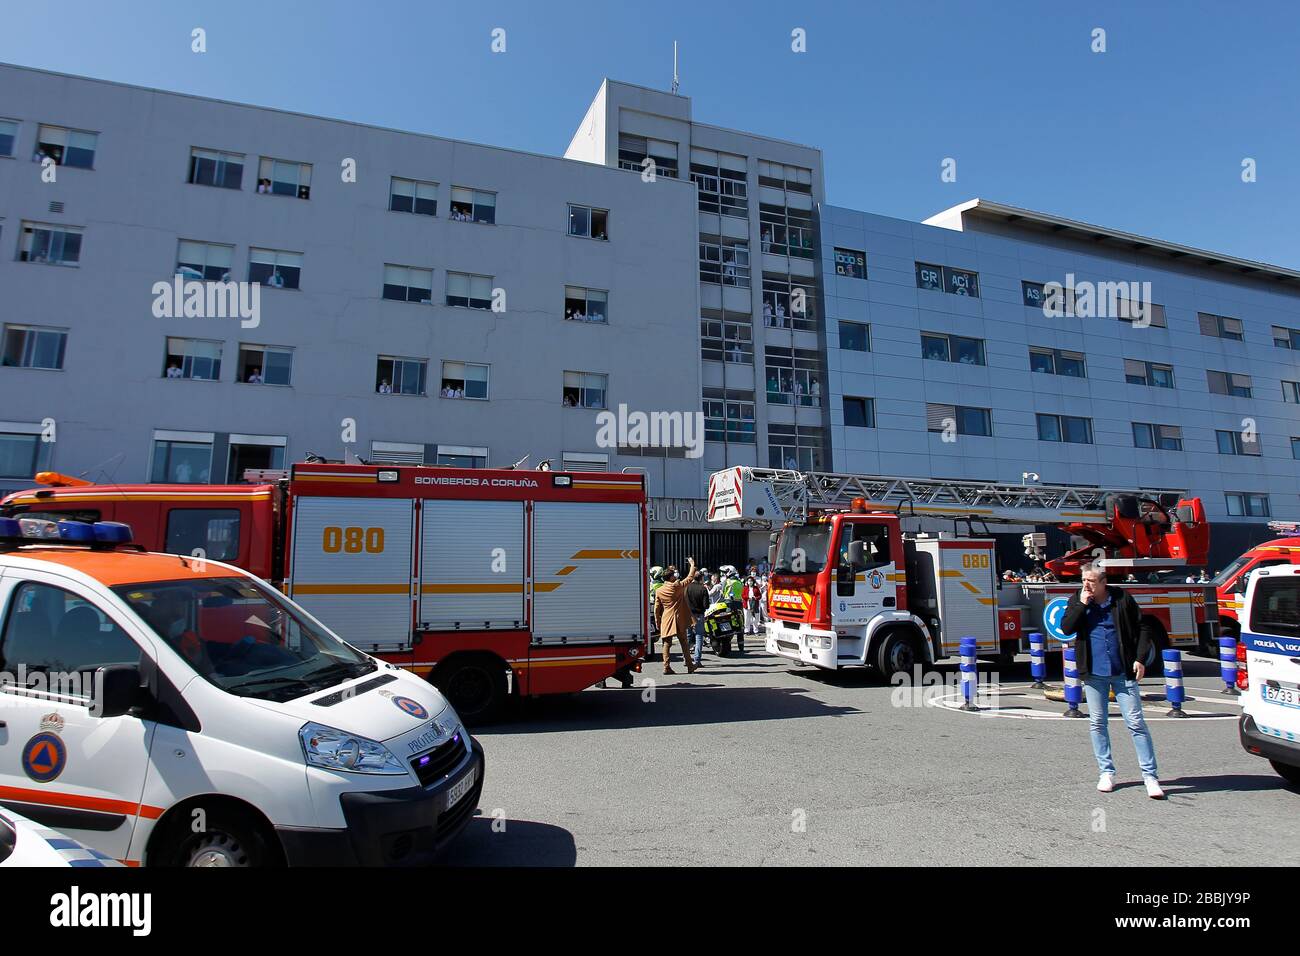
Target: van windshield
(244, 637)
(803, 549)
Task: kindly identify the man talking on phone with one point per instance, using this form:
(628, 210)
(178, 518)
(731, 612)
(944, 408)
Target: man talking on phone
(1111, 642)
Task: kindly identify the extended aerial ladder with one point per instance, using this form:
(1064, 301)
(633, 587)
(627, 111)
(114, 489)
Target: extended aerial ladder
(1133, 528)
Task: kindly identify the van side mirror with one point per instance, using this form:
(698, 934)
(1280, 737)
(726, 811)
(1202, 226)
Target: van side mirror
(858, 554)
(119, 689)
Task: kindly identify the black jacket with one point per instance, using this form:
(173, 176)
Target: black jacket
(1136, 633)
(697, 598)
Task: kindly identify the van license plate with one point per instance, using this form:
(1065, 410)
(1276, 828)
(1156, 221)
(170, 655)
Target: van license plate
(1287, 697)
(461, 787)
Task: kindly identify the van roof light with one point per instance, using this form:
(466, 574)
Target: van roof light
(67, 532)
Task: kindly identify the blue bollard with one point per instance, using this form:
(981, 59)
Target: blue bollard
(1037, 660)
(1228, 664)
(1073, 686)
(1175, 693)
(969, 672)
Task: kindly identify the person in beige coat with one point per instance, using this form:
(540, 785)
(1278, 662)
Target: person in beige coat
(673, 614)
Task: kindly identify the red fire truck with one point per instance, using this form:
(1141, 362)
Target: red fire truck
(1231, 582)
(488, 582)
(849, 588)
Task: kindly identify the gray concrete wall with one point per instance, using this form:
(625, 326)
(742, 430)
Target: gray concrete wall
(135, 205)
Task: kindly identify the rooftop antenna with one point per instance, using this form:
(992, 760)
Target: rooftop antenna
(675, 81)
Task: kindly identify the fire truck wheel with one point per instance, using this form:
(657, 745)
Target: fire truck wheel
(897, 653)
(475, 685)
(1209, 647)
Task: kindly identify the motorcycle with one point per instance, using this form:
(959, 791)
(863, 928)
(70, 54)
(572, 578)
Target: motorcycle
(722, 623)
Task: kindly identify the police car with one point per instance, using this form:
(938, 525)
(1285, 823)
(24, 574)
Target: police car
(26, 843)
(1268, 669)
(170, 710)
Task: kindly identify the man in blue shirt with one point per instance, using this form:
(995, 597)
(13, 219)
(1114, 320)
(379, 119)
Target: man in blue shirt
(1112, 640)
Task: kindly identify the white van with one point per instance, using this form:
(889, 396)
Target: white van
(1268, 676)
(168, 710)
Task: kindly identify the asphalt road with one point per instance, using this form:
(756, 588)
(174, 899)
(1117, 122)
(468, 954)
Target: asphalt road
(754, 762)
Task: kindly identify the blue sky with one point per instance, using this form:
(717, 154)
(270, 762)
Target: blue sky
(1148, 137)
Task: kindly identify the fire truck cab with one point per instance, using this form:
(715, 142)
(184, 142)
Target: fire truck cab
(1231, 583)
(850, 588)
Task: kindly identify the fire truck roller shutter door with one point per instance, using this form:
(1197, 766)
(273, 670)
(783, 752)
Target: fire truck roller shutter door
(352, 567)
(471, 564)
(587, 571)
(968, 594)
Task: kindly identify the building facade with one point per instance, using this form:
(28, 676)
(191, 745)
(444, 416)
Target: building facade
(759, 268)
(944, 322)
(420, 299)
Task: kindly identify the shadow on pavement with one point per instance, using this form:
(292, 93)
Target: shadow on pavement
(677, 703)
(520, 843)
(1223, 783)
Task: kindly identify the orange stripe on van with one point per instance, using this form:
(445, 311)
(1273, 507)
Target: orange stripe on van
(53, 798)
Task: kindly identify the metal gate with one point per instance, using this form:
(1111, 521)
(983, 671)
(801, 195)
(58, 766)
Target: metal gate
(709, 548)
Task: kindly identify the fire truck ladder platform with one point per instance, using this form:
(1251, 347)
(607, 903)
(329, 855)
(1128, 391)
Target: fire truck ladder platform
(988, 501)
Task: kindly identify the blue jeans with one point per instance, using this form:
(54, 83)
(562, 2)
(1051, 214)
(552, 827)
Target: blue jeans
(1128, 694)
(696, 632)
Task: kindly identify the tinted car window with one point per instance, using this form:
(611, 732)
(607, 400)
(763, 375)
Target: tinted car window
(49, 629)
(214, 531)
(1275, 609)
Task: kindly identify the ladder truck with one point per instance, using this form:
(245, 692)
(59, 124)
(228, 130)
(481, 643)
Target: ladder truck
(849, 588)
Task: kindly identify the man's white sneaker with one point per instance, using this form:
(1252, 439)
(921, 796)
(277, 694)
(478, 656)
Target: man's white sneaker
(1106, 783)
(1153, 788)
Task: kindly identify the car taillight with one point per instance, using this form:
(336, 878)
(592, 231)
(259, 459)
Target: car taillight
(1243, 678)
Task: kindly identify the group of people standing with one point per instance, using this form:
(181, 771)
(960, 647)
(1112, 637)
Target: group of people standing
(680, 604)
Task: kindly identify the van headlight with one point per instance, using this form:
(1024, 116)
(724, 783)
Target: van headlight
(335, 750)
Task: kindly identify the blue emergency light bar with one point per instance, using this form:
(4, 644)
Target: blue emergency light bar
(65, 532)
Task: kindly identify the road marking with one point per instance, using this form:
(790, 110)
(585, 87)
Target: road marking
(1030, 705)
